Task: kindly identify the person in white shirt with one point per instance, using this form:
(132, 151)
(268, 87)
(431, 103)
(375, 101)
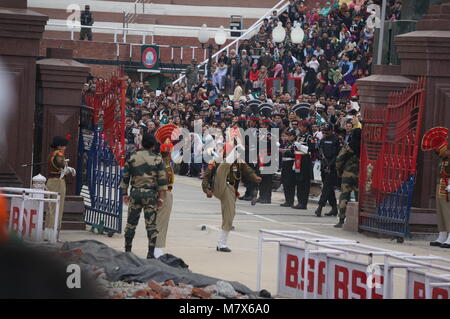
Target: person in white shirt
(314, 64)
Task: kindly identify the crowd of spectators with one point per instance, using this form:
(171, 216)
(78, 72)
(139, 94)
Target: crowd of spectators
(337, 51)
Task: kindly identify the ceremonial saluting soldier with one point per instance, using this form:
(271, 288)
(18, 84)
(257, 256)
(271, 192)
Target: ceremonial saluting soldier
(57, 171)
(222, 181)
(436, 139)
(329, 147)
(164, 137)
(146, 173)
(347, 167)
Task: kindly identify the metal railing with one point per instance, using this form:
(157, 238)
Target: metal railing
(279, 7)
(117, 30)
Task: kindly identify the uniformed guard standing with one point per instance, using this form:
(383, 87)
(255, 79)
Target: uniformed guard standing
(436, 139)
(329, 147)
(264, 154)
(163, 135)
(287, 170)
(146, 173)
(347, 167)
(303, 164)
(57, 170)
(222, 181)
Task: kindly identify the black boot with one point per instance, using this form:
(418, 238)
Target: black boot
(128, 248)
(299, 206)
(254, 197)
(333, 211)
(151, 252)
(340, 223)
(318, 211)
(286, 204)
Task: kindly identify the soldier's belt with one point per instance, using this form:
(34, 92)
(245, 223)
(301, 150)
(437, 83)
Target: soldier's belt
(288, 159)
(54, 176)
(144, 188)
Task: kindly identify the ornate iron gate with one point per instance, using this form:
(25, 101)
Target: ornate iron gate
(390, 141)
(101, 155)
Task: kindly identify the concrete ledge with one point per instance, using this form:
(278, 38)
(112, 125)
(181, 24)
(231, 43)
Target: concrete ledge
(351, 217)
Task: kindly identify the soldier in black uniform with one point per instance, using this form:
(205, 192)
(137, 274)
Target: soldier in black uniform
(251, 191)
(287, 171)
(86, 19)
(303, 173)
(329, 148)
(264, 155)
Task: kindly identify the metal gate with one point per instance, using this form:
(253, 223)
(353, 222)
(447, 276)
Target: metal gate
(101, 155)
(390, 141)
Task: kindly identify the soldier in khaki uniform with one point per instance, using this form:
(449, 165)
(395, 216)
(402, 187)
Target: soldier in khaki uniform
(347, 167)
(146, 173)
(222, 181)
(57, 171)
(436, 139)
(164, 137)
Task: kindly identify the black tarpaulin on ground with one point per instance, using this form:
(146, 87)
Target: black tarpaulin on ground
(121, 266)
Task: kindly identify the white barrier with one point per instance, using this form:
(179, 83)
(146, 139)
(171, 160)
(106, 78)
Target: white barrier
(26, 213)
(314, 266)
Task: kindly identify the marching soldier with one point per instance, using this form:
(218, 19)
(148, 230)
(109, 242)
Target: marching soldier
(57, 171)
(329, 147)
(163, 136)
(347, 166)
(287, 171)
(222, 181)
(436, 139)
(146, 173)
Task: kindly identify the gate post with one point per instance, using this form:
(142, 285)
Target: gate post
(425, 53)
(59, 84)
(21, 30)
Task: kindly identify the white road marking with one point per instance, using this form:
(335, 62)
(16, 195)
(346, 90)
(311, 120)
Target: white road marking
(233, 233)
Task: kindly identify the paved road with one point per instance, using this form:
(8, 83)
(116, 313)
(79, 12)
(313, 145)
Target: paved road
(197, 248)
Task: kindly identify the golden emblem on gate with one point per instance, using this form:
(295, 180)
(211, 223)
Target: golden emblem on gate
(369, 178)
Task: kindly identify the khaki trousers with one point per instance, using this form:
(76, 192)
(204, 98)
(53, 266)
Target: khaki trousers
(162, 220)
(59, 186)
(442, 212)
(227, 195)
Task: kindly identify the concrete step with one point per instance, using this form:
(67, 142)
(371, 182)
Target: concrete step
(62, 14)
(182, 9)
(215, 3)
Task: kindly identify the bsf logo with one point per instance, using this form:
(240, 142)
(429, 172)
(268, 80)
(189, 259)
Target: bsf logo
(73, 20)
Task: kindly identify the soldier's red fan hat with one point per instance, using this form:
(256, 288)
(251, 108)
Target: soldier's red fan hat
(167, 132)
(435, 138)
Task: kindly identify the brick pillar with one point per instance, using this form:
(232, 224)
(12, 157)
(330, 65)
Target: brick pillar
(59, 83)
(374, 90)
(20, 33)
(426, 52)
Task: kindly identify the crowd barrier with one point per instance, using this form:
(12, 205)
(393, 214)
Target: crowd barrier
(346, 269)
(26, 214)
